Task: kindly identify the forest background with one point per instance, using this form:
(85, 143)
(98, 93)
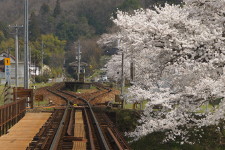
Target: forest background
(57, 25)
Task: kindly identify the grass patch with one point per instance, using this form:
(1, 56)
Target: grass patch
(41, 103)
(130, 105)
(206, 108)
(91, 90)
(97, 72)
(2, 95)
(39, 85)
(49, 109)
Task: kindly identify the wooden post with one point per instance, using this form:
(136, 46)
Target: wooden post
(4, 115)
(1, 121)
(32, 100)
(134, 106)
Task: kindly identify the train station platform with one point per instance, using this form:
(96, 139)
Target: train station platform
(22, 133)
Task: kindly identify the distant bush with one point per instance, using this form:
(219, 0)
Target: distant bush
(41, 78)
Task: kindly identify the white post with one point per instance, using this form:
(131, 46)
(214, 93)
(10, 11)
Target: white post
(42, 57)
(78, 72)
(122, 74)
(16, 52)
(26, 47)
(16, 55)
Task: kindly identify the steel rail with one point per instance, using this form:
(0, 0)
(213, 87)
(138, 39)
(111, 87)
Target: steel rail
(117, 137)
(104, 143)
(58, 135)
(99, 137)
(45, 136)
(89, 131)
(70, 126)
(114, 138)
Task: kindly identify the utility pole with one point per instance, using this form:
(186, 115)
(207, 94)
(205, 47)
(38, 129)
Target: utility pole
(30, 49)
(42, 57)
(122, 68)
(78, 72)
(26, 47)
(132, 67)
(16, 52)
(122, 73)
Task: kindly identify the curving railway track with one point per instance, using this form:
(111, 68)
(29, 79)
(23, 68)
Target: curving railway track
(78, 127)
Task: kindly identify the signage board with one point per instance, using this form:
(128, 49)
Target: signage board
(7, 70)
(7, 73)
(39, 97)
(6, 61)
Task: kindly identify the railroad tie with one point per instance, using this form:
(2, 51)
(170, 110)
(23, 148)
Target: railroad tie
(79, 132)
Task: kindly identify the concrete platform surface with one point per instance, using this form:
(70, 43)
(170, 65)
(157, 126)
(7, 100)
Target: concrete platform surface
(22, 133)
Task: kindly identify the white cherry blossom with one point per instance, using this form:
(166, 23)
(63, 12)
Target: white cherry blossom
(179, 64)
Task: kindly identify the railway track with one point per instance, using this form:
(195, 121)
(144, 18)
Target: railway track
(96, 130)
(46, 134)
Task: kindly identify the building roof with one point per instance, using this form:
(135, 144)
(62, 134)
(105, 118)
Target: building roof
(13, 58)
(5, 55)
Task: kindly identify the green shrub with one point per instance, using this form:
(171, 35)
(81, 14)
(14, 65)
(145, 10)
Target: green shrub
(41, 78)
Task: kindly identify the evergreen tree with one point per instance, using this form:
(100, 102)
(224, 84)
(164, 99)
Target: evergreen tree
(57, 9)
(46, 20)
(34, 27)
(72, 31)
(4, 28)
(2, 36)
(129, 5)
(45, 9)
(150, 3)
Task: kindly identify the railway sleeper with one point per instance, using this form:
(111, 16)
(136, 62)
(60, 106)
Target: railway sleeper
(97, 138)
(72, 138)
(114, 137)
(115, 144)
(44, 137)
(45, 142)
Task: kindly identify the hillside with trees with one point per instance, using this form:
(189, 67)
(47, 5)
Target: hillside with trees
(57, 25)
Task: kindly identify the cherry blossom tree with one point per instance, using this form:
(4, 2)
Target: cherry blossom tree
(179, 60)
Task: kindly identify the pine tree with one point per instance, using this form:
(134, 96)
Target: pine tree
(34, 27)
(57, 9)
(45, 9)
(129, 5)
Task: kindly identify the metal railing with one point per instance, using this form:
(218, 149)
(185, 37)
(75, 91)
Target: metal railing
(10, 114)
